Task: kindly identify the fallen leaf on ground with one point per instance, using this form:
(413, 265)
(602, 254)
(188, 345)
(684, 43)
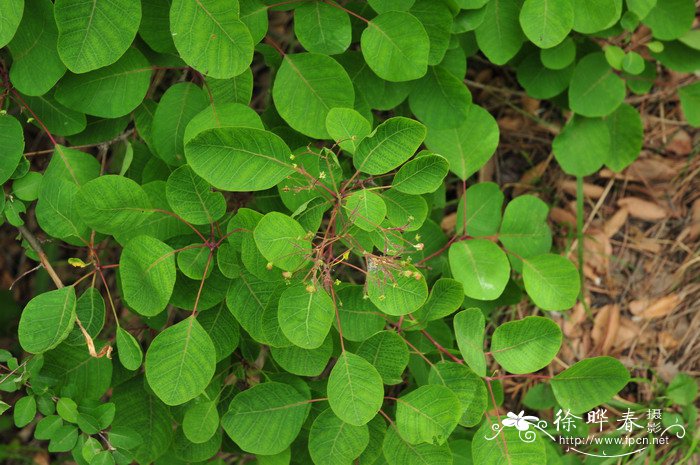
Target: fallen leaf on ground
(642, 209)
(657, 308)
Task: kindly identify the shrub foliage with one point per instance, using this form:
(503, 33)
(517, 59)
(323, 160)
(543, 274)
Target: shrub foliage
(277, 282)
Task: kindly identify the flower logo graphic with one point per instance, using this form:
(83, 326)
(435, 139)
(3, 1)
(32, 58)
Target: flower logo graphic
(521, 421)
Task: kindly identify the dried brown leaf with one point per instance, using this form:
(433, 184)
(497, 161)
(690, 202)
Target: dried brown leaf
(615, 223)
(589, 190)
(656, 308)
(643, 209)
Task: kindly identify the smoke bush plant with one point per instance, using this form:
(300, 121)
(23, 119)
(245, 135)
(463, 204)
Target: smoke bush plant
(278, 284)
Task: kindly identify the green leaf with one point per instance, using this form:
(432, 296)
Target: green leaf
(304, 362)
(282, 241)
(47, 426)
(191, 197)
(670, 19)
(467, 385)
(128, 349)
(551, 281)
(399, 452)
(347, 127)
(322, 28)
(640, 8)
(626, 136)
(445, 298)
(147, 271)
(422, 175)
(248, 298)
(177, 107)
(481, 266)
(682, 390)
(527, 345)
(589, 383)
(428, 414)
(25, 411)
(27, 187)
(355, 389)
(480, 208)
(396, 46)
(59, 120)
(201, 422)
(180, 362)
(266, 418)
(90, 310)
(690, 102)
(210, 37)
(595, 89)
(440, 100)
(109, 92)
(469, 146)
(332, 442)
(194, 261)
(506, 447)
(67, 409)
(358, 316)
(365, 209)
(47, 320)
(582, 135)
(307, 87)
(11, 146)
(10, 19)
(103, 458)
(111, 204)
(524, 229)
(261, 158)
(633, 63)
(142, 423)
(389, 145)
(221, 116)
(547, 22)
(595, 15)
(156, 14)
(614, 56)
(388, 353)
(305, 315)
(254, 16)
(222, 328)
(87, 36)
(396, 291)
(63, 439)
(36, 66)
(470, 329)
(559, 56)
(436, 18)
(382, 6)
(541, 82)
(499, 36)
